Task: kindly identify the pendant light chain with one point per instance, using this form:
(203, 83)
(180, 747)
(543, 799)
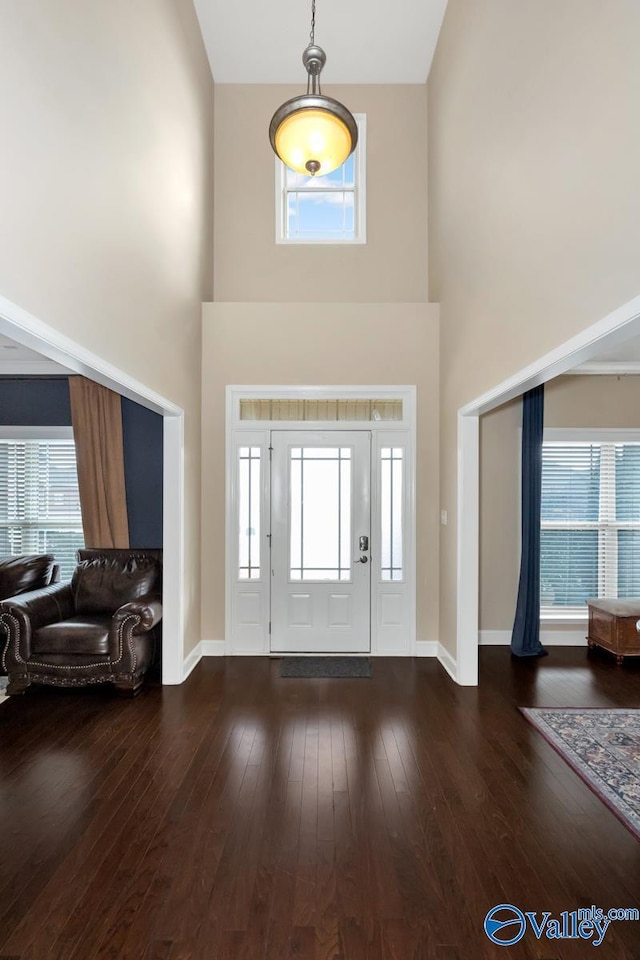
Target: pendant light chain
(312, 35)
(313, 81)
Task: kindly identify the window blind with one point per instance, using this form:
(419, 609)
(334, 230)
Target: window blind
(590, 523)
(39, 501)
(323, 410)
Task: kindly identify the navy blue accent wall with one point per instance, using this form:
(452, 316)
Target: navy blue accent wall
(43, 401)
(142, 432)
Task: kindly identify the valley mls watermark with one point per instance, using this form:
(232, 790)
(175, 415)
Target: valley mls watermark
(506, 924)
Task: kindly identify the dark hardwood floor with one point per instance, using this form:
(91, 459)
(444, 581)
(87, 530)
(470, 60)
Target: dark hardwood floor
(250, 817)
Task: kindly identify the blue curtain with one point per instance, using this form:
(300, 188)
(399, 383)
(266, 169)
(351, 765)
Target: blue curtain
(525, 639)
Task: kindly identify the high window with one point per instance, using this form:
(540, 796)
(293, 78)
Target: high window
(39, 501)
(590, 529)
(328, 209)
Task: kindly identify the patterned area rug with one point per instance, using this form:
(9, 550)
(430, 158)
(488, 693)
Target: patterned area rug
(3, 688)
(603, 747)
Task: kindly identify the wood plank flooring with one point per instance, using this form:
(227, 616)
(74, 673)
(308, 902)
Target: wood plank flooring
(247, 817)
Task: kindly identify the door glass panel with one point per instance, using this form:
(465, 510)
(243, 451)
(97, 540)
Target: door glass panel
(249, 503)
(320, 520)
(391, 495)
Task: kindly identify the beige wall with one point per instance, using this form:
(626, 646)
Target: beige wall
(597, 402)
(534, 196)
(316, 344)
(391, 266)
(499, 515)
(106, 194)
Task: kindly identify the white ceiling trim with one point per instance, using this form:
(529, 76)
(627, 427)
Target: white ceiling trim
(391, 41)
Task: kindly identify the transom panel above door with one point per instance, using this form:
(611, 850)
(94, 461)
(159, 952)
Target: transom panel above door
(320, 541)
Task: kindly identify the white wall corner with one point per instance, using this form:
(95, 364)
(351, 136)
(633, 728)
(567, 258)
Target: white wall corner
(448, 662)
(426, 648)
(213, 648)
(468, 558)
(191, 661)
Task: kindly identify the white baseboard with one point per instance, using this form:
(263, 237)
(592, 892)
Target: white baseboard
(448, 662)
(426, 648)
(191, 661)
(548, 638)
(564, 638)
(206, 648)
(213, 648)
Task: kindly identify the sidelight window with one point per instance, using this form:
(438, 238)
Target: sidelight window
(391, 496)
(249, 511)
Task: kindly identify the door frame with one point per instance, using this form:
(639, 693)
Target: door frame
(247, 603)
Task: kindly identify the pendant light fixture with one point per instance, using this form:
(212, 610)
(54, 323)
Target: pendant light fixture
(313, 134)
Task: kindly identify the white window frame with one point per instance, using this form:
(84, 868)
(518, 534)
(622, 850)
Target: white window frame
(607, 561)
(359, 191)
(35, 433)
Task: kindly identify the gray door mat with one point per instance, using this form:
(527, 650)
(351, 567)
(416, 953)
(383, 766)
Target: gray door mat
(332, 667)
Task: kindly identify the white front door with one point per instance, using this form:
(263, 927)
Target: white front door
(320, 529)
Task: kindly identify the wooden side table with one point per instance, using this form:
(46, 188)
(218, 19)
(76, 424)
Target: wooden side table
(613, 626)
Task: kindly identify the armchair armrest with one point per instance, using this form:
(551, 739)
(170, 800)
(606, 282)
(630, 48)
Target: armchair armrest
(147, 609)
(47, 605)
(129, 636)
(28, 611)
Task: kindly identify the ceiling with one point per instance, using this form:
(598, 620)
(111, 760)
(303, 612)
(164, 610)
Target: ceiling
(10, 351)
(16, 359)
(627, 352)
(261, 41)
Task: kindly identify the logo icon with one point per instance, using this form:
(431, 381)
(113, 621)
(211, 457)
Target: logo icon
(505, 924)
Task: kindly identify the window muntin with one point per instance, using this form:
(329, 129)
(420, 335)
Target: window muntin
(249, 466)
(329, 209)
(320, 513)
(590, 523)
(39, 500)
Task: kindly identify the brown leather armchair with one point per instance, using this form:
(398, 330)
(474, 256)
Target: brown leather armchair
(102, 627)
(27, 572)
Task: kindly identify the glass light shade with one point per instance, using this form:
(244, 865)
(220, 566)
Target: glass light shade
(317, 135)
(313, 135)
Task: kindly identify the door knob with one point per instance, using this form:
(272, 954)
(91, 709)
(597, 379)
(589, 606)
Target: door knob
(362, 560)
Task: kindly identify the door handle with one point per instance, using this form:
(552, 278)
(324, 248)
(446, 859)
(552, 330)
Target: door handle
(362, 560)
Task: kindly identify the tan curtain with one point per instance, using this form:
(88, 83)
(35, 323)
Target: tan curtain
(96, 414)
